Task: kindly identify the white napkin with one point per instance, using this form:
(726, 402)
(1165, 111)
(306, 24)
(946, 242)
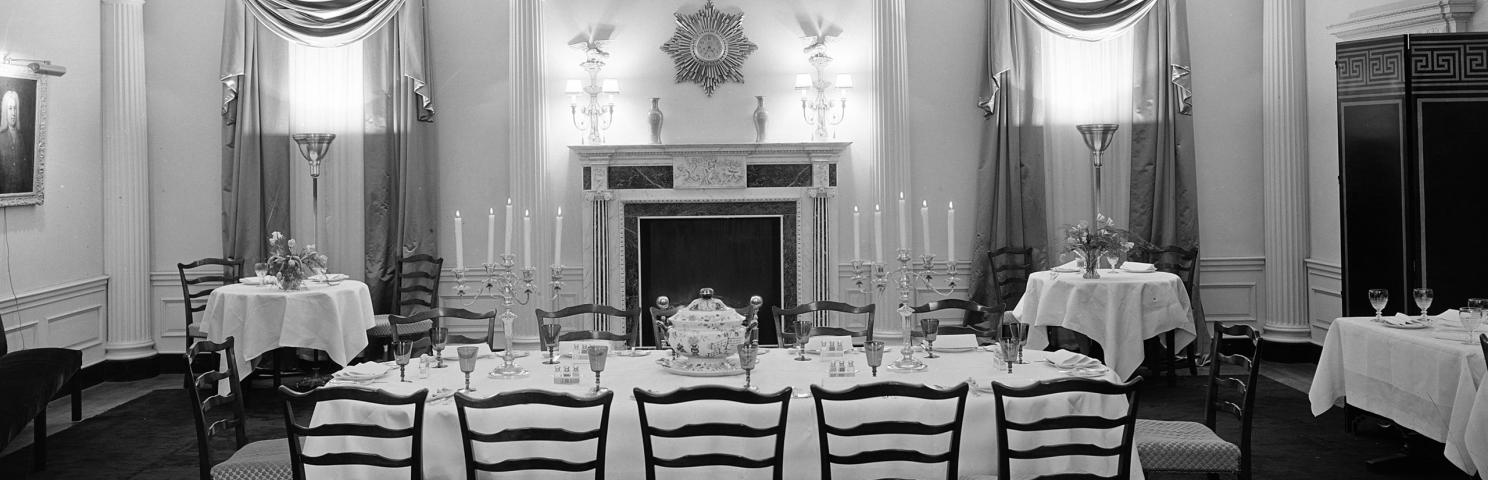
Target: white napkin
(1069, 360)
(452, 351)
(328, 277)
(1072, 266)
(254, 280)
(1138, 267)
(1402, 319)
(958, 341)
(815, 343)
(362, 370)
(1451, 316)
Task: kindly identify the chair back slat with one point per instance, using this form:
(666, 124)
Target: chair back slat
(975, 314)
(414, 433)
(1244, 387)
(1008, 269)
(844, 399)
(783, 333)
(645, 400)
(631, 337)
(197, 286)
(421, 325)
(1126, 422)
(416, 278)
(221, 426)
(465, 404)
(202, 411)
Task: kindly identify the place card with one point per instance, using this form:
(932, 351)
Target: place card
(842, 368)
(565, 374)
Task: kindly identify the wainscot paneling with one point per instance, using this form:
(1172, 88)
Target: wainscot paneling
(168, 309)
(1324, 296)
(1230, 288)
(886, 320)
(70, 315)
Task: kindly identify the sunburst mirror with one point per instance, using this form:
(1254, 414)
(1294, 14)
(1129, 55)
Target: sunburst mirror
(709, 47)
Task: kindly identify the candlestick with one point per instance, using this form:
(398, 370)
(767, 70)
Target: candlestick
(925, 225)
(950, 231)
(878, 234)
(491, 236)
(558, 239)
(459, 241)
(857, 233)
(506, 247)
(526, 237)
(903, 224)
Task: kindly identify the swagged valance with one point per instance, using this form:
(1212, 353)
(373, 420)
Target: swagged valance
(1090, 20)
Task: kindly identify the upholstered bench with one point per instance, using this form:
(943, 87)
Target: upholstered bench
(30, 379)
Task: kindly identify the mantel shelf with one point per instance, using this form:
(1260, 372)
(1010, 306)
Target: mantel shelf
(817, 151)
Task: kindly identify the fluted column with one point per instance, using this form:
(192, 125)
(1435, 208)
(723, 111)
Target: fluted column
(1284, 107)
(889, 169)
(526, 157)
(126, 182)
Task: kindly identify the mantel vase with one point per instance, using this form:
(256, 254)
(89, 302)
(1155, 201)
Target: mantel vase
(760, 118)
(654, 119)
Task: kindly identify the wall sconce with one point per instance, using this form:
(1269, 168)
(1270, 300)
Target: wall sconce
(593, 118)
(818, 109)
(43, 67)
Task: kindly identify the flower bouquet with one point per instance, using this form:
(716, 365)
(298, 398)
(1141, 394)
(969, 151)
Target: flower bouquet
(1090, 243)
(289, 266)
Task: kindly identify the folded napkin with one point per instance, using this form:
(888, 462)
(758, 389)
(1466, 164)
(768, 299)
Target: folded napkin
(815, 343)
(363, 370)
(1402, 319)
(1072, 266)
(254, 280)
(1070, 360)
(328, 277)
(958, 341)
(1138, 267)
(452, 351)
(1451, 316)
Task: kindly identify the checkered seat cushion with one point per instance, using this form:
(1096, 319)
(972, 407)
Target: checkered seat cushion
(1184, 446)
(261, 460)
(382, 327)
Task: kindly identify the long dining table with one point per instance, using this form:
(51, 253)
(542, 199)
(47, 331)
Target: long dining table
(444, 456)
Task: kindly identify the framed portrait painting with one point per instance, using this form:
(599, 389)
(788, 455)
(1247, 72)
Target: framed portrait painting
(23, 101)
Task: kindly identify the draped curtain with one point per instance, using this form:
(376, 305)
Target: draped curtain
(398, 156)
(1014, 162)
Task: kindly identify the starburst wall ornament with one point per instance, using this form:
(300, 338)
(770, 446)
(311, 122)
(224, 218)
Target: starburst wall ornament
(709, 47)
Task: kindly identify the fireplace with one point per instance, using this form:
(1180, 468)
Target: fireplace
(737, 254)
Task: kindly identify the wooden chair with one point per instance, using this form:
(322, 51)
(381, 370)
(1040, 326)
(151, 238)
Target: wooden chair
(976, 314)
(265, 459)
(825, 430)
(1191, 447)
(1122, 452)
(419, 327)
(645, 400)
(416, 278)
(415, 433)
(661, 320)
(464, 403)
(632, 336)
(196, 289)
(783, 335)
(1181, 262)
(1008, 269)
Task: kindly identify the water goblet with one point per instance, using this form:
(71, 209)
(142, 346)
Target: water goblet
(1423, 298)
(874, 350)
(401, 353)
(597, 356)
(1378, 298)
(467, 362)
(748, 356)
(1112, 257)
(931, 327)
(441, 338)
(261, 269)
(1020, 331)
(1472, 318)
(803, 334)
(549, 333)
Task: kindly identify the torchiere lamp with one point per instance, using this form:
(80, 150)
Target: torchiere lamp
(1098, 137)
(313, 147)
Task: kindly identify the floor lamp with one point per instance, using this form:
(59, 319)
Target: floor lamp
(313, 147)
(1098, 137)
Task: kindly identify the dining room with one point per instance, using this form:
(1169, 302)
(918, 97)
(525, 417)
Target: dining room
(766, 238)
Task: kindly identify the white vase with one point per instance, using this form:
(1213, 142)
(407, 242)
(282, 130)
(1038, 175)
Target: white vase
(760, 118)
(654, 119)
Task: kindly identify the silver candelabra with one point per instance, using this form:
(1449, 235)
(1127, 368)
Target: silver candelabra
(514, 286)
(904, 277)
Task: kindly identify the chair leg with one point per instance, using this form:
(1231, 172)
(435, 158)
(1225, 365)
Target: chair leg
(38, 446)
(77, 401)
(1169, 359)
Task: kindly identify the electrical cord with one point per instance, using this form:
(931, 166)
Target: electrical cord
(9, 277)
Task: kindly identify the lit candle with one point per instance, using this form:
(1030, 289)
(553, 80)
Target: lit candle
(506, 247)
(526, 238)
(878, 233)
(558, 239)
(950, 231)
(491, 237)
(459, 241)
(903, 224)
(925, 225)
(857, 234)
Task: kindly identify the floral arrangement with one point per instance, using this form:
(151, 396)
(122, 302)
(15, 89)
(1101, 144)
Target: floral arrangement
(1105, 237)
(291, 267)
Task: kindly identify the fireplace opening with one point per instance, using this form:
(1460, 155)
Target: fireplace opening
(737, 256)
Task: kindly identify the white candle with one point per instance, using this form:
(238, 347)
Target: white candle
(526, 238)
(558, 239)
(950, 231)
(878, 233)
(925, 226)
(903, 224)
(491, 237)
(857, 234)
(506, 247)
(459, 241)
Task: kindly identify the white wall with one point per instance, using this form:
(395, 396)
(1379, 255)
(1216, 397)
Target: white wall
(51, 260)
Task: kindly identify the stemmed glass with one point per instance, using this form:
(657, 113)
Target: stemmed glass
(1020, 330)
(1112, 256)
(401, 352)
(1378, 298)
(1008, 343)
(549, 333)
(467, 362)
(931, 327)
(874, 350)
(261, 269)
(597, 356)
(441, 337)
(748, 355)
(1423, 298)
(803, 333)
(1472, 318)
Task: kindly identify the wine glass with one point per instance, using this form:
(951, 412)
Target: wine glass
(748, 355)
(1423, 298)
(1472, 318)
(597, 356)
(549, 333)
(874, 350)
(931, 327)
(1378, 298)
(441, 337)
(803, 333)
(1020, 332)
(1112, 256)
(467, 362)
(401, 352)
(261, 269)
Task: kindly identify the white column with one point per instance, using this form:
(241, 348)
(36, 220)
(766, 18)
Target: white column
(126, 182)
(889, 169)
(1284, 111)
(526, 153)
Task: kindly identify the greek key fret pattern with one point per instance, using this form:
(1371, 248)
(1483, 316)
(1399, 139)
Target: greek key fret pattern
(1458, 62)
(1370, 66)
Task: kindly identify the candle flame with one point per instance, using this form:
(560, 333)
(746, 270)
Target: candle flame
(526, 213)
(951, 205)
(560, 211)
(855, 209)
(924, 204)
(508, 200)
(901, 195)
(876, 208)
(493, 210)
(457, 214)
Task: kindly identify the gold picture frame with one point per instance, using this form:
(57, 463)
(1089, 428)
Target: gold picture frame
(23, 128)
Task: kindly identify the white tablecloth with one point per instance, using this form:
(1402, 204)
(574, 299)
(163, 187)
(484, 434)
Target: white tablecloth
(1119, 311)
(1426, 380)
(333, 319)
(444, 457)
